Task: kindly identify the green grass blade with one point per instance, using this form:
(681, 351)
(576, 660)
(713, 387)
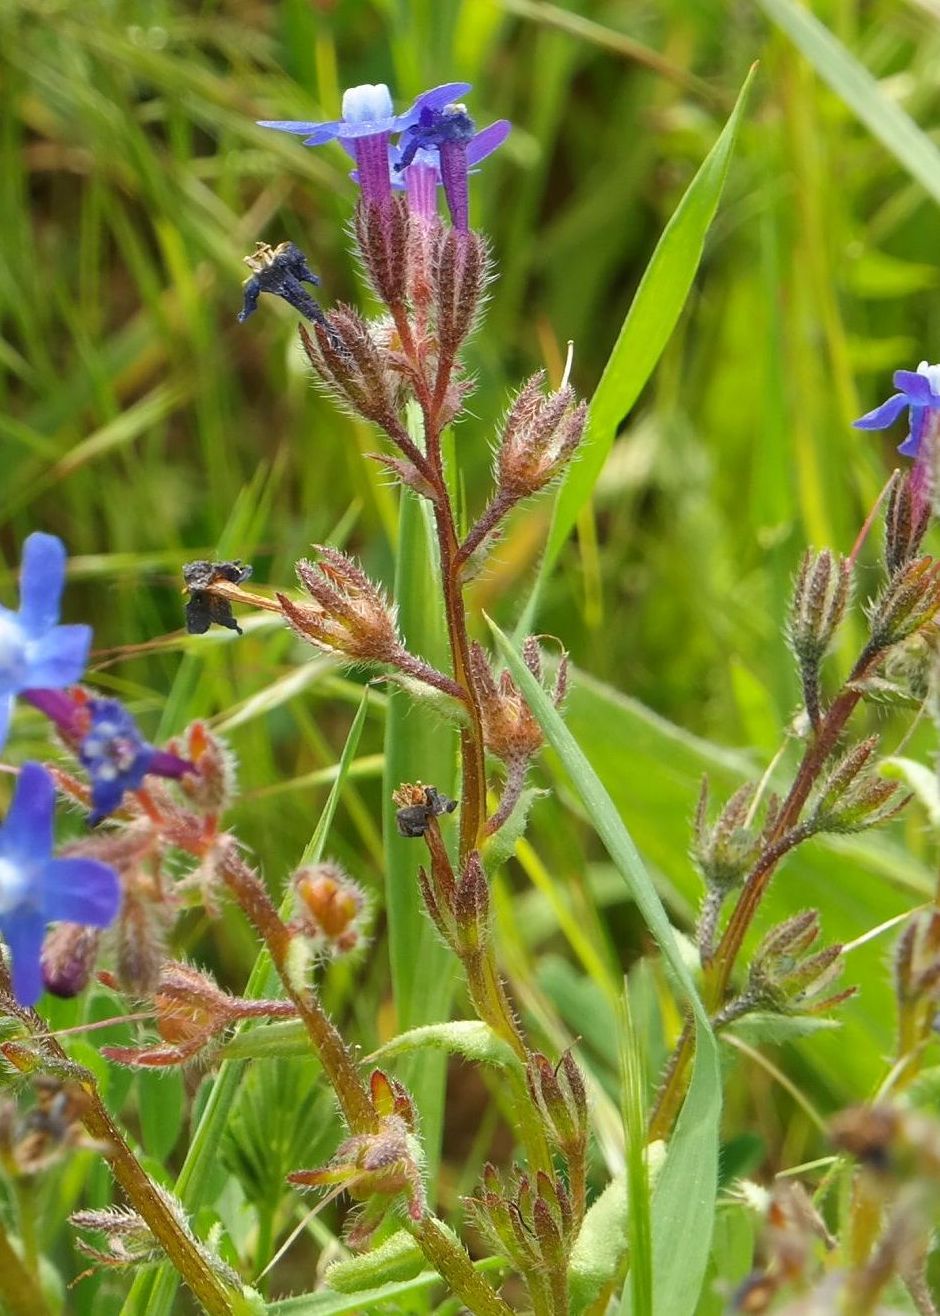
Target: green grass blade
(684, 1198)
(646, 330)
(639, 1224)
(417, 748)
(203, 1149)
(853, 84)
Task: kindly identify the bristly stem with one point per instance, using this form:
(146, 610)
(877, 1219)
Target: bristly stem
(784, 836)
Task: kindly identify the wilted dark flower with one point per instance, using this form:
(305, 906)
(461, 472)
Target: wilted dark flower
(281, 271)
(417, 806)
(203, 608)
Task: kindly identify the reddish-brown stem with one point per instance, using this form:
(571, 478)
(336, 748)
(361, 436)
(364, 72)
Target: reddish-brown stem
(333, 1054)
(489, 519)
(784, 836)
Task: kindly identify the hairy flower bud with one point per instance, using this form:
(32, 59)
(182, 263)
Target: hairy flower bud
(140, 935)
(853, 797)
(375, 1169)
(820, 597)
(382, 239)
(917, 959)
(458, 276)
(351, 615)
(782, 978)
(329, 906)
(471, 907)
(907, 517)
(68, 960)
(909, 602)
(560, 1095)
(351, 366)
(540, 434)
(210, 788)
(510, 731)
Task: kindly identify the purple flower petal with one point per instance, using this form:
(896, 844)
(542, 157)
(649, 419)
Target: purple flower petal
(60, 657)
(911, 445)
(299, 126)
(435, 99)
(487, 140)
(42, 576)
(23, 931)
(80, 891)
(26, 833)
(883, 416)
(916, 387)
(164, 764)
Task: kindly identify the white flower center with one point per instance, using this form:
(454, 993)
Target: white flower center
(13, 653)
(13, 884)
(367, 104)
(932, 373)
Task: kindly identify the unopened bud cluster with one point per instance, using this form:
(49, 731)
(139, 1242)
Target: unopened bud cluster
(350, 615)
(329, 907)
(820, 598)
(853, 797)
(540, 435)
(907, 517)
(908, 604)
(379, 1167)
(530, 1221)
(724, 852)
(784, 978)
(559, 1093)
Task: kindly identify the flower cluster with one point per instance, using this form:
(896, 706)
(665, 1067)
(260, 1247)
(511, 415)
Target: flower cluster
(437, 145)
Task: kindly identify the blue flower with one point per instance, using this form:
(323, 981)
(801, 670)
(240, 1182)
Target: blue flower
(35, 651)
(446, 135)
(117, 758)
(920, 396)
(366, 129)
(36, 888)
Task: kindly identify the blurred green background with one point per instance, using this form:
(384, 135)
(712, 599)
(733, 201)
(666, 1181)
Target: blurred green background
(141, 423)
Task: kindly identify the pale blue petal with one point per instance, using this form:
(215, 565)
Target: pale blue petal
(883, 416)
(6, 709)
(42, 576)
(26, 832)
(59, 658)
(80, 891)
(23, 932)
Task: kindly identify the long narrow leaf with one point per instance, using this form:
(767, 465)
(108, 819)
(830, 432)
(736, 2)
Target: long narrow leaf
(416, 750)
(645, 332)
(684, 1198)
(853, 84)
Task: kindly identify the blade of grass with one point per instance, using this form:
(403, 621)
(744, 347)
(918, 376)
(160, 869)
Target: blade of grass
(417, 749)
(684, 1198)
(646, 330)
(632, 1087)
(854, 85)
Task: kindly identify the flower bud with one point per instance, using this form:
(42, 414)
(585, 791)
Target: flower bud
(69, 953)
(382, 240)
(329, 906)
(540, 434)
(210, 788)
(727, 850)
(853, 797)
(510, 731)
(389, 1097)
(782, 978)
(560, 1095)
(351, 615)
(917, 959)
(471, 910)
(909, 602)
(351, 366)
(374, 1168)
(459, 275)
(907, 517)
(140, 933)
(820, 597)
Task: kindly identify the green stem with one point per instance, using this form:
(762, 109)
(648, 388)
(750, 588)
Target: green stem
(453, 1264)
(20, 1291)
